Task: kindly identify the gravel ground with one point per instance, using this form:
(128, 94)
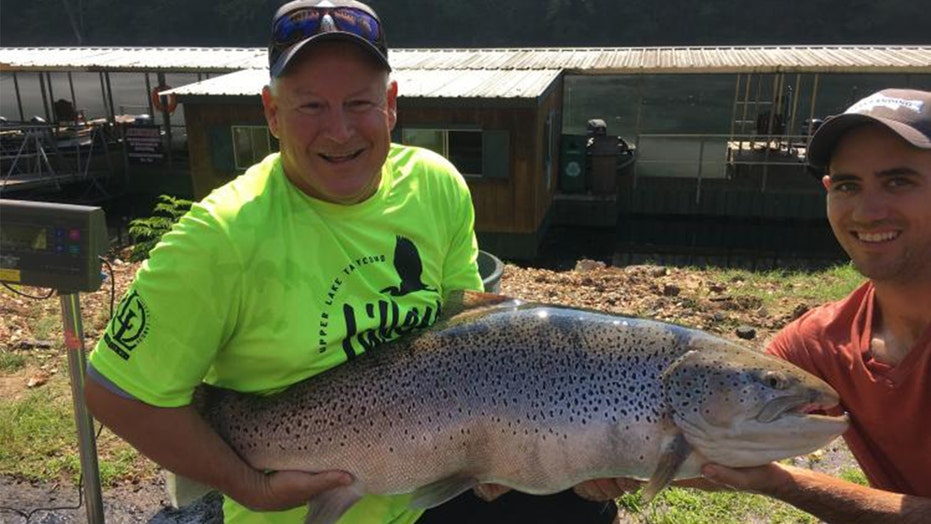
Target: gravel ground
(44, 503)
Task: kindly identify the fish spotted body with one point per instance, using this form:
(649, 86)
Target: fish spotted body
(535, 397)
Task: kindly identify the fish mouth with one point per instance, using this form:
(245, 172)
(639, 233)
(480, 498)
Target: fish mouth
(796, 406)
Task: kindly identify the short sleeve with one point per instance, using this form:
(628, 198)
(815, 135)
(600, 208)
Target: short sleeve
(175, 316)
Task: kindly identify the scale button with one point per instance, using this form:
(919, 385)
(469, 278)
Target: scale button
(74, 249)
(74, 234)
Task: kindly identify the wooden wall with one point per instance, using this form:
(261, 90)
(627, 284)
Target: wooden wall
(519, 203)
(202, 119)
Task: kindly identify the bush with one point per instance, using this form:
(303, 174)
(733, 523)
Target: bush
(146, 232)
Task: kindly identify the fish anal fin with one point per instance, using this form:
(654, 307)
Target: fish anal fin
(329, 506)
(441, 491)
(675, 451)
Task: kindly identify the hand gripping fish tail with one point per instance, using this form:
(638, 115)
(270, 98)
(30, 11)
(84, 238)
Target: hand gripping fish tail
(534, 397)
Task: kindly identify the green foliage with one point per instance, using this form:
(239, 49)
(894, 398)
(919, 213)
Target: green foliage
(11, 362)
(146, 232)
(38, 436)
(690, 506)
(855, 475)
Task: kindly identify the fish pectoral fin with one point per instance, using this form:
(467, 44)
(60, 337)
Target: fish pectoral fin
(329, 506)
(674, 452)
(183, 491)
(441, 491)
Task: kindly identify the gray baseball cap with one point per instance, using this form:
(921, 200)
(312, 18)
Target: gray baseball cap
(905, 112)
(302, 23)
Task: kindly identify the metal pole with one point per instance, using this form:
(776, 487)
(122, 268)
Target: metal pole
(74, 343)
(44, 97)
(166, 121)
(148, 96)
(74, 101)
(103, 94)
(19, 98)
(51, 97)
(110, 98)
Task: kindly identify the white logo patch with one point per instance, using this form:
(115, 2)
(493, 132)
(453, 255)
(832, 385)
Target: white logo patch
(894, 104)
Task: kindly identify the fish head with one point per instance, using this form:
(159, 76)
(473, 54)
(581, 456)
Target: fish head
(740, 408)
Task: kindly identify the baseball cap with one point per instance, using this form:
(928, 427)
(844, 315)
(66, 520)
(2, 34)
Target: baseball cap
(301, 23)
(906, 112)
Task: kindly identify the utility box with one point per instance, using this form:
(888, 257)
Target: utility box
(603, 150)
(573, 159)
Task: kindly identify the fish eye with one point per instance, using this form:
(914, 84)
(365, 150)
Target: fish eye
(774, 380)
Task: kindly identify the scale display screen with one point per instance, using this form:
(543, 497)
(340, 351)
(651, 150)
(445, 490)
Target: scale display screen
(51, 245)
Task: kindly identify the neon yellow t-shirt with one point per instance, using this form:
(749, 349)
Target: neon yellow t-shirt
(261, 286)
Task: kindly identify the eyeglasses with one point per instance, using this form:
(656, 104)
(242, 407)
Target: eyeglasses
(303, 23)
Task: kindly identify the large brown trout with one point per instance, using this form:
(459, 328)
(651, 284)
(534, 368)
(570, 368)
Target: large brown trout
(535, 397)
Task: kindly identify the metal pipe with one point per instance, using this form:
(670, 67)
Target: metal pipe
(103, 93)
(110, 98)
(74, 100)
(148, 96)
(51, 96)
(44, 96)
(74, 344)
(798, 91)
(19, 98)
(166, 120)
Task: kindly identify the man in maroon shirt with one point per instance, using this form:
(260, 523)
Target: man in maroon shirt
(874, 346)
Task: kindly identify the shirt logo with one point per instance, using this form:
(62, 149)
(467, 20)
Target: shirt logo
(370, 324)
(129, 326)
(409, 267)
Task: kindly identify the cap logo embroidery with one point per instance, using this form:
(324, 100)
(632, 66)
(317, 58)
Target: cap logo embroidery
(894, 104)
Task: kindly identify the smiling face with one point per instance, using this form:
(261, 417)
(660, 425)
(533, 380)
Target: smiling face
(879, 204)
(333, 112)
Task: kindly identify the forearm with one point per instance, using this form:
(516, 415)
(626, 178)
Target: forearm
(177, 439)
(837, 501)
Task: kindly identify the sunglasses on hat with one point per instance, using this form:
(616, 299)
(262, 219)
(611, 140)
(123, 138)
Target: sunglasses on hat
(306, 22)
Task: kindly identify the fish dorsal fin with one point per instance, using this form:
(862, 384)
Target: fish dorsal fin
(329, 506)
(460, 305)
(441, 491)
(674, 452)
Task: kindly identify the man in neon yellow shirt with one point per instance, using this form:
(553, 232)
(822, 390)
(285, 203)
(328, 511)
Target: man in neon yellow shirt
(340, 242)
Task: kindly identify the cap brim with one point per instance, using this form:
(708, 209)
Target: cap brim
(822, 143)
(288, 56)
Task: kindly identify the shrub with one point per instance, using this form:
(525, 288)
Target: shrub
(146, 232)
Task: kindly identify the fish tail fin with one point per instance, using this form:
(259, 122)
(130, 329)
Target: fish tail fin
(674, 452)
(183, 491)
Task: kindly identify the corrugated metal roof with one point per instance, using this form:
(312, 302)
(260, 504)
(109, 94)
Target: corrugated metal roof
(618, 60)
(632, 60)
(412, 83)
(129, 59)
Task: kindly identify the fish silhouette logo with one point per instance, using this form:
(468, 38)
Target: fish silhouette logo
(409, 267)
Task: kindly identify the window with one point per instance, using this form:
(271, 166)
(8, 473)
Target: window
(250, 145)
(463, 147)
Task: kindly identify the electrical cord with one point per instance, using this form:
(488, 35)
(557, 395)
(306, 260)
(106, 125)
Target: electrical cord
(20, 293)
(27, 515)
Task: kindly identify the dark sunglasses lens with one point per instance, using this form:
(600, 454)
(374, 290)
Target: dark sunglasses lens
(357, 22)
(300, 24)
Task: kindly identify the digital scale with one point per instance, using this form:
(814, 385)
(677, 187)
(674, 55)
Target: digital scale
(52, 245)
(59, 246)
